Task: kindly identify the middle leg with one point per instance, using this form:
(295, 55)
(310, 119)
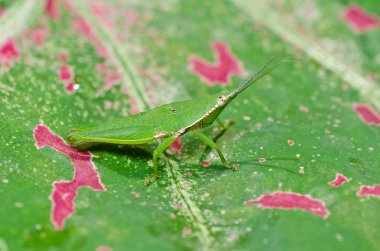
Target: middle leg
(214, 146)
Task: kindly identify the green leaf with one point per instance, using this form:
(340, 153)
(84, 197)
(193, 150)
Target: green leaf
(295, 129)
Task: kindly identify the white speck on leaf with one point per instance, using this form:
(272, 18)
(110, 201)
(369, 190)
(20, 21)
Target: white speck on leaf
(19, 205)
(301, 170)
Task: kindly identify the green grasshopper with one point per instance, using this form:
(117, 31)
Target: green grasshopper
(167, 122)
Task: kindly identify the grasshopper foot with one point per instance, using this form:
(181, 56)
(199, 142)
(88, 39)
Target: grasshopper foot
(234, 167)
(226, 125)
(229, 123)
(149, 181)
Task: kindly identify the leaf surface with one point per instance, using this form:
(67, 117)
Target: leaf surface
(306, 137)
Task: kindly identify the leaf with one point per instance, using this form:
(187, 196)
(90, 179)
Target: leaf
(306, 137)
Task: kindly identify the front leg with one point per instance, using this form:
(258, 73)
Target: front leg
(214, 146)
(222, 131)
(160, 149)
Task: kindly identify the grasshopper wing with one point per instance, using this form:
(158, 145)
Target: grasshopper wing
(130, 135)
(135, 129)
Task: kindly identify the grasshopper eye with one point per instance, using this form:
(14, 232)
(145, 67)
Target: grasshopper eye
(221, 100)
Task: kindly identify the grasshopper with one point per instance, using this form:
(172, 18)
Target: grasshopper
(166, 123)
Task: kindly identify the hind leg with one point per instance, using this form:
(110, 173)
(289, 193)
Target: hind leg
(160, 149)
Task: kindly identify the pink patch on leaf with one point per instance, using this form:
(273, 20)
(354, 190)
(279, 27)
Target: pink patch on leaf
(134, 106)
(186, 231)
(290, 142)
(107, 105)
(102, 68)
(220, 71)
(287, 200)
(111, 79)
(359, 20)
(102, 51)
(339, 180)
(367, 114)
(131, 17)
(84, 28)
(369, 191)
(85, 174)
(9, 52)
(151, 76)
(65, 73)
(103, 13)
(205, 163)
(2, 11)
(63, 56)
(51, 9)
(70, 87)
(38, 36)
(176, 146)
(104, 248)
(262, 160)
